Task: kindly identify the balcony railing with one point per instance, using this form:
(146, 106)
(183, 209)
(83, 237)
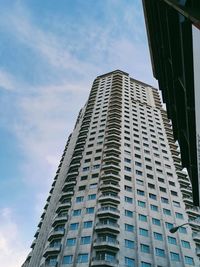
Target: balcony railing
(105, 262)
(108, 211)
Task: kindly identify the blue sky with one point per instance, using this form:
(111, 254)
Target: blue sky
(51, 51)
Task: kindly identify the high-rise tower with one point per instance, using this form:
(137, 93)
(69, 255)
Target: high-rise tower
(117, 191)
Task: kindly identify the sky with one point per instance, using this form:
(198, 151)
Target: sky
(51, 51)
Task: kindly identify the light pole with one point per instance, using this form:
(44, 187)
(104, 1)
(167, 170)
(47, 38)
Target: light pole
(175, 229)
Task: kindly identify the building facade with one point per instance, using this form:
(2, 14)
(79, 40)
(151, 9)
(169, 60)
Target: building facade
(173, 29)
(119, 187)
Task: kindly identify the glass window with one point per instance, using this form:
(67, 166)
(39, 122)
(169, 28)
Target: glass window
(82, 258)
(185, 244)
(143, 232)
(164, 200)
(67, 259)
(85, 240)
(182, 230)
(79, 199)
(90, 210)
(171, 240)
(71, 242)
(129, 262)
(145, 264)
(87, 224)
(92, 196)
(158, 236)
(141, 204)
(74, 226)
(128, 213)
(142, 217)
(128, 199)
(167, 212)
(189, 260)
(77, 212)
(156, 221)
(129, 227)
(154, 207)
(174, 256)
(160, 252)
(129, 243)
(144, 248)
(152, 196)
(140, 192)
(168, 225)
(93, 186)
(179, 215)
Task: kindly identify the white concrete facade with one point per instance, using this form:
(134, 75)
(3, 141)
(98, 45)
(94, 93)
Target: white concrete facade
(119, 187)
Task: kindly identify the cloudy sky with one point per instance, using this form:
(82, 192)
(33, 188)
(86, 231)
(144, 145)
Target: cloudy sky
(50, 52)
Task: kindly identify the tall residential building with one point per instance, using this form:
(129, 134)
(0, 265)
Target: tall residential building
(119, 187)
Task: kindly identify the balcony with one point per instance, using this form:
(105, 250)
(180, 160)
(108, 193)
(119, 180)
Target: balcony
(108, 211)
(113, 131)
(110, 175)
(111, 166)
(112, 157)
(110, 186)
(196, 237)
(107, 227)
(188, 200)
(33, 243)
(68, 186)
(186, 190)
(111, 149)
(65, 195)
(52, 250)
(78, 157)
(63, 206)
(194, 211)
(56, 234)
(104, 262)
(68, 189)
(106, 243)
(198, 252)
(113, 137)
(60, 219)
(109, 197)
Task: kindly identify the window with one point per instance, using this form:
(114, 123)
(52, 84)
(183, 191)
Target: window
(182, 230)
(179, 215)
(142, 217)
(140, 192)
(52, 261)
(90, 210)
(138, 164)
(84, 177)
(128, 199)
(85, 240)
(141, 204)
(144, 248)
(143, 232)
(171, 240)
(128, 213)
(74, 226)
(126, 177)
(86, 169)
(97, 166)
(129, 262)
(167, 212)
(174, 256)
(87, 224)
(168, 225)
(82, 258)
(156, 221)
(164, 200)
(154, 207)
(128, 169)
(92, 197)
(138, 172)
(176, 204)
(185, 244)
(127, 160)
(158, 236)
(128, 188)
(129, 243)
(129, 227)
(82, 187)
(140, 182)
(71, 242)
(67, 259)
(152, 196)
(93, 186)
(160, 252)
(79, 199)
(77, 212)
(189, 260)
(145, 264)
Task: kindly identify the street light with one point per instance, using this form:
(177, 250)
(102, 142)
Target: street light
(175, 229)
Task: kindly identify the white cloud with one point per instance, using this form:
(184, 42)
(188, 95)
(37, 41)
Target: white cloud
(7, 81)
(12, 248)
